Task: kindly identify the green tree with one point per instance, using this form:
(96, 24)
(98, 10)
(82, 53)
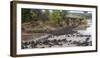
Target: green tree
(26, 15)
(55, 16)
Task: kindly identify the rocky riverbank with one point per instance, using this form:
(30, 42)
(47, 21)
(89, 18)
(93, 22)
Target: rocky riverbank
(49, 41)
(66, 37)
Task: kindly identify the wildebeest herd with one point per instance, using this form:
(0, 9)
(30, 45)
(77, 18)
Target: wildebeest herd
(49, 42)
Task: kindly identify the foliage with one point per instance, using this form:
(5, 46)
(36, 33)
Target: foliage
(25, 15)
(55, 16)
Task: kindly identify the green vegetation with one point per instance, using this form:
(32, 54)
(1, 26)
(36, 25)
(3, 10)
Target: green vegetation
(45, 20)
(25, 15)
(55, 16)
